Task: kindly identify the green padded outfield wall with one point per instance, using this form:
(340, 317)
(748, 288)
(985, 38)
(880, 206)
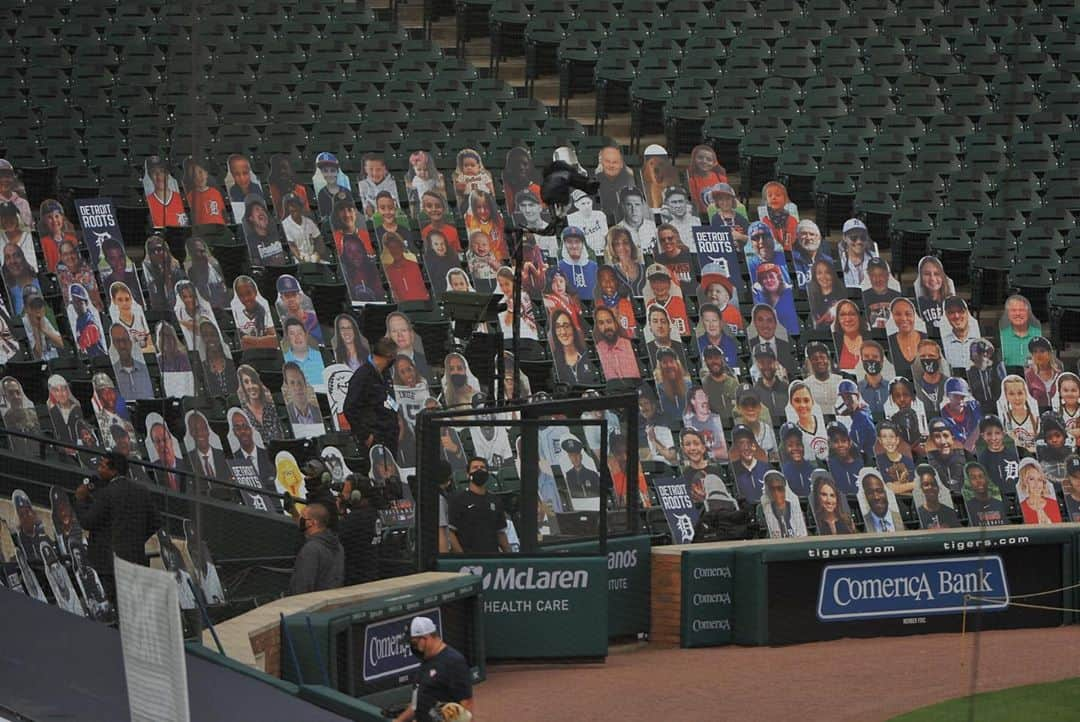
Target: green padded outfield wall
(628, 587)
(541, 607)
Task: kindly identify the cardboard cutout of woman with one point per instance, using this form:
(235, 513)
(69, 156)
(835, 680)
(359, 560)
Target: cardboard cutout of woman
(832, 515)
(177, 379)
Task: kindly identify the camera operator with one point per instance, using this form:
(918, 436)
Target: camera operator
(360, 529)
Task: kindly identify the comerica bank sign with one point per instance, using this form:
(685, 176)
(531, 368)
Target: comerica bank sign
(877, 590)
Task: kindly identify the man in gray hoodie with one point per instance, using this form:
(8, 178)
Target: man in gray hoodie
(320, 564)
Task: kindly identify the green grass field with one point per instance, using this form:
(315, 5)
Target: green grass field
(1053, 702)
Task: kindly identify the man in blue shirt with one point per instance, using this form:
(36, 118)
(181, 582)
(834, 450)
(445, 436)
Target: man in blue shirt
(854, 414)
(873, 388)
(132, 376)
(748, 467)
(844, 461)
(307, 358)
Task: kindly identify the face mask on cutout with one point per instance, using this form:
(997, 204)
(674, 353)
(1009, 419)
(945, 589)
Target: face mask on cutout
(872, 367)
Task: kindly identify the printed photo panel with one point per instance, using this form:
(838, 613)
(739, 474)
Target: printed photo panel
(251, 313)
(85, 323)
(703, 173)
(829, 505)
(374, 179)
(877, 503)
(780, 508)
(261, 234)
(779, 213)
(300, 402)
(409, 343)
(302, 233)
(807, 251)
(856, 249)
(258, 404)
(402, 269)
(297, 348)
(932, 287)
(129, 366)
(174, 364)
(983, 498)
(162, 193)
(658, 173)
(13, 191)
(328, 180)
(585, 214)
(933, 502)
(282, 180)
(637, 218)
(470, 175)
(241, 182)
(614, 176)
(424, 178)
(205, 272)
(206, 202)
(161, 271)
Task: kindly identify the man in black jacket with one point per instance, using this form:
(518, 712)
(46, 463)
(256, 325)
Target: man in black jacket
(360, 531)
(370, 406)
(120, 517)
(320, 564)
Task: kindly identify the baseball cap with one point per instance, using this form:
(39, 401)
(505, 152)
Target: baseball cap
(955, 302)
(657, 270)
(708, 279)
(1072, 465)
(1039, 343)
(526, 195)
(630, 191)
(835, 428)
(151, 163)
(988, 421)
(655, 149)
(773, 474)
(325, 158)
(816, 347)
(878, 262)
(288, 284)
(938, 425)
(32, 296)
(421, 627)
(847, 386)
(77, 291)
(767, 268)
(852, 224)
(758, 227)
(573, 231)
(788, 430)
(290, 198)
(764, 349)
(724, 188)
(712, 351)
(742, 431)
(51, 206)
(747, 397)
(955, 385)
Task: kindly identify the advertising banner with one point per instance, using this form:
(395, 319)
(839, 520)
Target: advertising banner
(679, 510)
(541, 607)
(98, 221)
(386, 645)
(628, 583)
(708, 585)
(717, 253)
(909, 588)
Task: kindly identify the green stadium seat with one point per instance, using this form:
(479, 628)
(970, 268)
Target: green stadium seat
(834, 195)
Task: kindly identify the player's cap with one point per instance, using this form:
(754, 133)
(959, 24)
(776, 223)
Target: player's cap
(836, 428)
(957, 386)
(764, 350)
(77, 291)
(51, 206)
(722, 189)
(291, 199)
(154, 162)
(990, 420)
(742, 431)
(954, 302)
(7, 209)
(525, 195)
(577, 194)
(878, 262)
(788, 430)
(573, 232)
(629, 191)
(421, 627)
(758, 227)
(658, 270)
(708, 279)
(1039, 343)
(32, 296)
(571, 446)
(847, 386)
(767, 268)
(1050, 422)
(655, 149)
(853, 224)
(288, 284)
(313, 468)
(816, 347)
(1072, 465)
(325, 158)
(747, 398)
(938, 425)
(711, 350)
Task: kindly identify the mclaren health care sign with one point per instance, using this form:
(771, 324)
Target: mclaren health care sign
(912, 588)
(541, 607)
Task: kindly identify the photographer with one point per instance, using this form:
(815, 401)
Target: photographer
(360, 529)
